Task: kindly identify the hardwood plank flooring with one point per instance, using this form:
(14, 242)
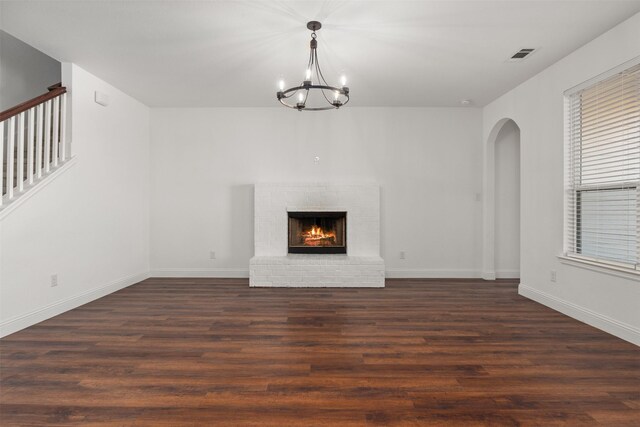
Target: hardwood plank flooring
(182, 352)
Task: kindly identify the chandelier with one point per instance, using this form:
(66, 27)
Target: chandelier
(314, 87)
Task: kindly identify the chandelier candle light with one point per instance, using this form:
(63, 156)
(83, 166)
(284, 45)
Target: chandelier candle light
(336, 97)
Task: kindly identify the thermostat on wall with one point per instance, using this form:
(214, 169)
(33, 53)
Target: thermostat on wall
(101, 98)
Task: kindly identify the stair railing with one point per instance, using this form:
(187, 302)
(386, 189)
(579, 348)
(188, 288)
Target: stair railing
(33, 142)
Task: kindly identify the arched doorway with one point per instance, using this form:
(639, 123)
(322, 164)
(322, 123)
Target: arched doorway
(501, 202)
(507, 201)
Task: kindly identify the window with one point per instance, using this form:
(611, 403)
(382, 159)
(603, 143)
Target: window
(603, 191)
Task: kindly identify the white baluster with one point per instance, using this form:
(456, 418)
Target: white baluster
(2, 143)
(39, 118)
(10, 156)
(55, 138)
(47, 136)
(20, 162)
(63, 128)
(30, 144)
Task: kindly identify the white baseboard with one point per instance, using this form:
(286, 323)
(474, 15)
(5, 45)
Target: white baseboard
(614, 327)
(201, 272)
(17, 323)
(488, 275)
(244, 273)
(507, 274)
(419, 273)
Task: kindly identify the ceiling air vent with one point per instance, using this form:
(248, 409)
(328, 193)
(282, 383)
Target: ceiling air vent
(521, 54)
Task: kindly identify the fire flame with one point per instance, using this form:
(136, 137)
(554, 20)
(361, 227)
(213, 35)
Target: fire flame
(316, 236)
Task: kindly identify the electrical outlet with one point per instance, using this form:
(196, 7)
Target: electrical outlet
(403, 255)
(554, 276)
(54, 280)
(212, 255)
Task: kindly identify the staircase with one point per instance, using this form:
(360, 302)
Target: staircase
(33, 143)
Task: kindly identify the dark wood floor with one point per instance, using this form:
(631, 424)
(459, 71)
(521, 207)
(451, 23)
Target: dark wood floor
(175, 352)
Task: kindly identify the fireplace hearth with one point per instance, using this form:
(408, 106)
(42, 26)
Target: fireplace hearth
(317, 232)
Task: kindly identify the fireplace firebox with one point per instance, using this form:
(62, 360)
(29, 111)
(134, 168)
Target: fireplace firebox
(317, 232)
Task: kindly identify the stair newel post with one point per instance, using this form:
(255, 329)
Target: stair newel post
(39, 118)
(63, 128)
(20, 157)
(11, 136)
(30, 145)
(54, 134)
(47, 136)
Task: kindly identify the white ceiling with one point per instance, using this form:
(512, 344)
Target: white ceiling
(232, 53)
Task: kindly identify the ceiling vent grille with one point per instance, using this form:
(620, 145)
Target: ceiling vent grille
(521, 54)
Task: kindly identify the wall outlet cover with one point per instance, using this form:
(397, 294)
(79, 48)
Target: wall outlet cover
(101, 98)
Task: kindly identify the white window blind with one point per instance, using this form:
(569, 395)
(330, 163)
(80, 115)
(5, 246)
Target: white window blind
(603, 191)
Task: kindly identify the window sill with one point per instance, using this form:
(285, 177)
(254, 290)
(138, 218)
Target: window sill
(612, 270)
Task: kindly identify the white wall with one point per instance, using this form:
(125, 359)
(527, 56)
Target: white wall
(507, 199)
(25, 72)
(605, 300)
(205, 162)
(91, 224)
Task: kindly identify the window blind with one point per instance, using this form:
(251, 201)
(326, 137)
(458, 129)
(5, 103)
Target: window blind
(603, 189)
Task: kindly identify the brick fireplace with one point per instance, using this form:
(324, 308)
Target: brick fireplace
(322, 235)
